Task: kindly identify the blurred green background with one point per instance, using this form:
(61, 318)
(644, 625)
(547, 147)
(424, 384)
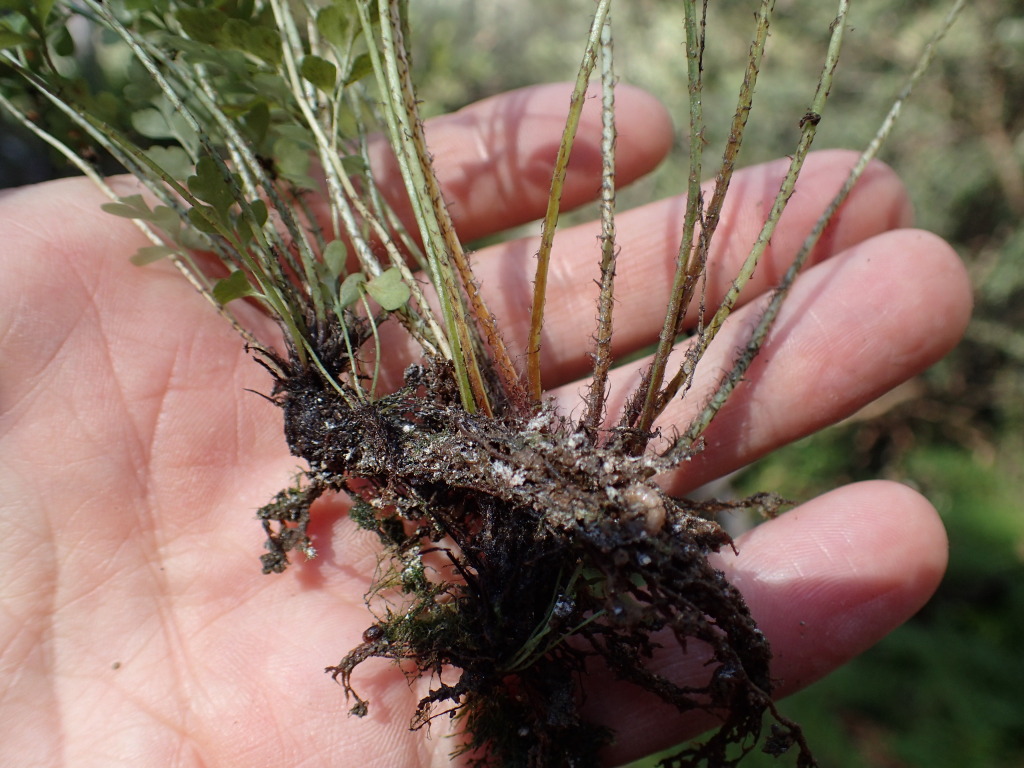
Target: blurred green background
(947, 689)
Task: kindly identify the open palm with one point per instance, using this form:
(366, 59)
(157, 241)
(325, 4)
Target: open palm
(135, 625)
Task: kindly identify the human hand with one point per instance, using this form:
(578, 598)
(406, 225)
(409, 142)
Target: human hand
(136, 625)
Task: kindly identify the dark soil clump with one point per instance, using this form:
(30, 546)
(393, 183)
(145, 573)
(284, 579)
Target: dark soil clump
(525, 553)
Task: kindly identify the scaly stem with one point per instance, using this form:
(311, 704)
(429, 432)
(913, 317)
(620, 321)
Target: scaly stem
(768, 317)
(406, 133)
(603, 353)
(694, 23)
(434, 222)
(696, 269)
(540, 282)
(452, 246)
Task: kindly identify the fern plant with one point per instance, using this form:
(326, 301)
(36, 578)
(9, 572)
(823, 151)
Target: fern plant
(520, 545)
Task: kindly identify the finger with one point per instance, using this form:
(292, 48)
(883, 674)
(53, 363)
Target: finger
(495, 158)
(851, 329)
(825, 582)
(648, 242)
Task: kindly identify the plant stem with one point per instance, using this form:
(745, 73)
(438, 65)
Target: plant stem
(540, 283)
(674, 311)
(778, 296)
(603, 353)
(410, 150)
(696, 268)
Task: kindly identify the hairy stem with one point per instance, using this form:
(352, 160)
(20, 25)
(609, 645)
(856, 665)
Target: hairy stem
(603, 352)
(778, 296)
(540, 282)
(694, 21)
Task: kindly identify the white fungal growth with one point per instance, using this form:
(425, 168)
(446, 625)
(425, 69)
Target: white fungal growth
(514, 477)
(647, 503)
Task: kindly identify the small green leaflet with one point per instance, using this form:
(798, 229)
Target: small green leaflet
(333, 23)
(151, 253)
(361, 67)
(349, 292)
(206, 219)
(260, 41)
(319, 72)
(234, 286)
(335, 255)
(135, 207)
(172, 160)
(389, 289)
(354, 165)
(131, 207)
(210, 186)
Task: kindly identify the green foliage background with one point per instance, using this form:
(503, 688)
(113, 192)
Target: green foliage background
(944, 690)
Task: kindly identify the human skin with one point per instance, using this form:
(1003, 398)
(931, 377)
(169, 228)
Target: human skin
(135, 625)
